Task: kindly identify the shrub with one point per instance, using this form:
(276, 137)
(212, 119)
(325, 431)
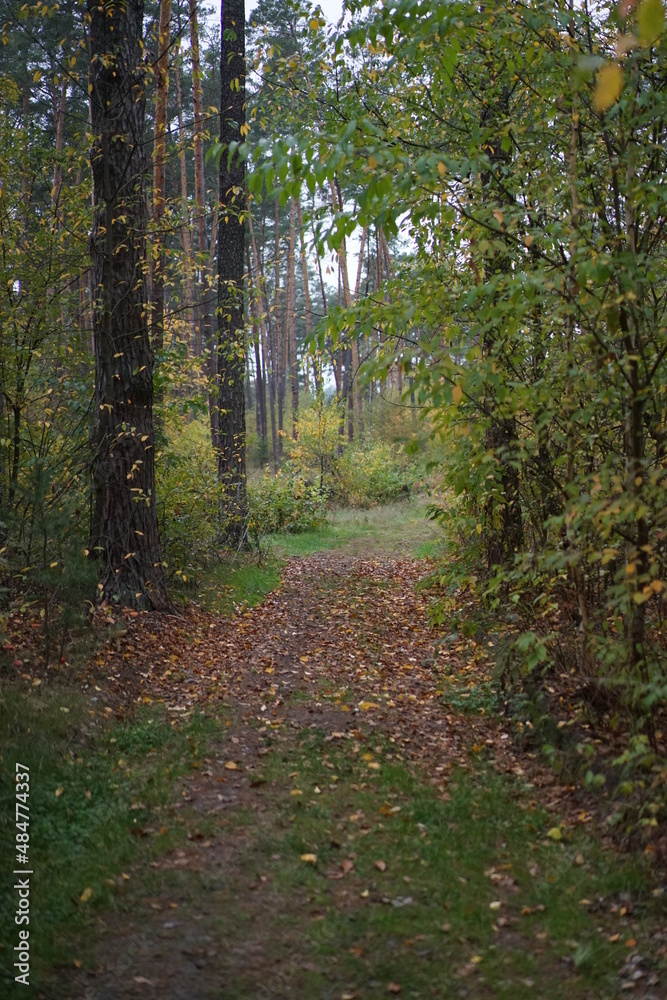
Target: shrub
(372, 473)
(189, 497)
(284, 502)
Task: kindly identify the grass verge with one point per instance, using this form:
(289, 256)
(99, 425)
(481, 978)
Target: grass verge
(95, 799)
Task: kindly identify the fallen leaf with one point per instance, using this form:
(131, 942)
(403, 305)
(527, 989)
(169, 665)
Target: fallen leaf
(85, 895)
(380, 865)
(59, 791)
(630, 943)
(555, 833)
(231, 766)
(310, 859)
(394, 988)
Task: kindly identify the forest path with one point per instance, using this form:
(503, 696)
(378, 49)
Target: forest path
(348, 837)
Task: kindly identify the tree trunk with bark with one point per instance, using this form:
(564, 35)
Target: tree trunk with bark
(159, 174)
(186, 235)
(124, 536)
(290, 319)
(231, 327)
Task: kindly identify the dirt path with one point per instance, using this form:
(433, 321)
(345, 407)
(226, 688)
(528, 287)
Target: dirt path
(332, 694)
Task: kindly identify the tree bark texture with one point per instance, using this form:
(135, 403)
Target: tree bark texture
(124, 534)
(231, 326)
(159, 174)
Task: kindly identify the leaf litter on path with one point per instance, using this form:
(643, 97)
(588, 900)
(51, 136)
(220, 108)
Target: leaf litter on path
(343, 646)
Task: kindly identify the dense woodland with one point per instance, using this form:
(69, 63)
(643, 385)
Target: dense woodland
(253, 269)
(333, 520)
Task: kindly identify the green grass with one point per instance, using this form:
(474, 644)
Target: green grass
(393, 529)
(429, 921)
(89, 789)
(228, 584)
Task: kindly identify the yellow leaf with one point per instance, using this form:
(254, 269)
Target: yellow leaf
(608, 87)
(85, 895)
(442, 169)
(366, 705)
(309, 859)
(372, 162)
(656, 586)
(296, 791)
(231, 766)
(457, 393)
(313, 24)
(555, 833)
(59, 791)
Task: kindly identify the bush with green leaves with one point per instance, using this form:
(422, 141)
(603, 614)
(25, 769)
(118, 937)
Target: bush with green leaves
(284, 502)
(372, 473)
(189, 497)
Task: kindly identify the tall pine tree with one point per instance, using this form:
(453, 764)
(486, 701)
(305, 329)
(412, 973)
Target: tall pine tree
(124, 533)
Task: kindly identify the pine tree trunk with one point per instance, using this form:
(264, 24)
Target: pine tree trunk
(266, 334)
(186, 235)
(308, 315)
(259, 301)
(290, 314)
(124, 536)
(278, 337)
(206, 335)
(256, 340)
(159, 175)
(59, 99)
(231, 254)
